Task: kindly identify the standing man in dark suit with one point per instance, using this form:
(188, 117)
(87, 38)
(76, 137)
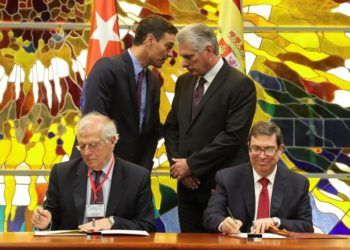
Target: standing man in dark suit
(208, 124)
(260, 191)
(123, 88)
(99, 190)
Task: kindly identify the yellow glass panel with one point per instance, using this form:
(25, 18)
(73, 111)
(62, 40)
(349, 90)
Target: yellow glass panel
(305, 40)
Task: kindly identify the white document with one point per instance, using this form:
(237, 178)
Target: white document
(265, 236)
(59, 233)
(79, 233)
(124, 232)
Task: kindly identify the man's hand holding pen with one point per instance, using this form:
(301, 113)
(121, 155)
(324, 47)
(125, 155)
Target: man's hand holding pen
(230, 226)
(41, 218)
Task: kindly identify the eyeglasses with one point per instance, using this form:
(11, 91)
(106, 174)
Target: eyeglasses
(91, 146)
(269, 151)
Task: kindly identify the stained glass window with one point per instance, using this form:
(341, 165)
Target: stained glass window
(297, 52)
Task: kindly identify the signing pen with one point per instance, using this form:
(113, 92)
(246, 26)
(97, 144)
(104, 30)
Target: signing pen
(41, 213)
(230, 214)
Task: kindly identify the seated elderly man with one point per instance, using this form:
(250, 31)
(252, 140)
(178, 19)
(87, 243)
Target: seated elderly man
(258, 195)
(98, 190)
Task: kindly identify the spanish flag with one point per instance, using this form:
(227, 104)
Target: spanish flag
(230, 33)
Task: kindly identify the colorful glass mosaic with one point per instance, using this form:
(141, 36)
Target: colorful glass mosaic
(302, 78)
(303, 83)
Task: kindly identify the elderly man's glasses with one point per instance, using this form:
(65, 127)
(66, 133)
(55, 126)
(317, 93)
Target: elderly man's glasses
(256, 150)
(90, 146)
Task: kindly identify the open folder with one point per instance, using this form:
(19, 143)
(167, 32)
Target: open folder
(289, 234)
(79, 233)
(264, 236)
(275, 233)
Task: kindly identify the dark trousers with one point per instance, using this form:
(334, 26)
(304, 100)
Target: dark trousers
(191, 205)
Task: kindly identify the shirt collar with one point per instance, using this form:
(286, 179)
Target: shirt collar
(106, 167)
(210, 75)
(270, 177)
(137, 66)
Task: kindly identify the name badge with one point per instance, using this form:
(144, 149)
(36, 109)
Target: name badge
(95, 210)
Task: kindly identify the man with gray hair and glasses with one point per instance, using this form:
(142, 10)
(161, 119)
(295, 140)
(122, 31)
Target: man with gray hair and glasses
(208, 124)
(260, 195)
(98, 190)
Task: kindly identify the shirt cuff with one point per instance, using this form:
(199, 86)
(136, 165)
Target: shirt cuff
(220, 225)
(276, 222)
(46, 229)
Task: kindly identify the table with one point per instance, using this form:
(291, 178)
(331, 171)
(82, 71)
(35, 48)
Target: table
(163, 241)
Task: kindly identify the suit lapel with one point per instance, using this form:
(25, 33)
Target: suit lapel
(279, 188)
(131, 83)
(247, 189)
(216, 83)
(188, 92)
(118, 185)
(79, 191)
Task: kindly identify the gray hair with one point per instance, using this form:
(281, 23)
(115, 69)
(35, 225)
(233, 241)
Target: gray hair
(266, 128)
(199, 36)
(109, 128)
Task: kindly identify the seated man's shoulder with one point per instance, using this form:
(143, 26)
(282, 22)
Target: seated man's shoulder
(234, 171)
(68, 165)
(294, 177)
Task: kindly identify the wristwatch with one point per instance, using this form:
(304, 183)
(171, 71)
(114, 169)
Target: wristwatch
(111, 220)
(276, 221)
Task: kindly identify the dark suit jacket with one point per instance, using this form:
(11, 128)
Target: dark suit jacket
(290, 199)
(217, 136)
(111, 90)
(130, 198)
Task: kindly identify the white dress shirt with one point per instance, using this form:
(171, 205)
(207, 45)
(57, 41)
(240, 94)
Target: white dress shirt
(210, 75)
(258, 187)
(106, 187)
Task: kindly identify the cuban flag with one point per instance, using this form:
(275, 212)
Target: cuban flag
(104, 39)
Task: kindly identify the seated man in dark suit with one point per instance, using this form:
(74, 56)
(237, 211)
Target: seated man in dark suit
(256, 195)
(98, 190)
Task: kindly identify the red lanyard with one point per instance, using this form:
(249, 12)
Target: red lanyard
(96, 189)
